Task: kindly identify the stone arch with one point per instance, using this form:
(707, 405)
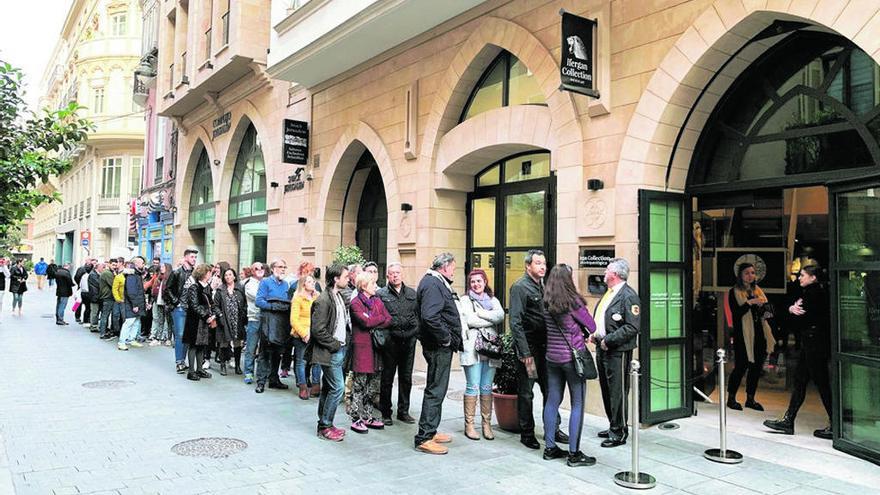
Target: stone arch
(356, 139)
(491, 36)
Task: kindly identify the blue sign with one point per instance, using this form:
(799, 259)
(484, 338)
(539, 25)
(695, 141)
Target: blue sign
(85, 243)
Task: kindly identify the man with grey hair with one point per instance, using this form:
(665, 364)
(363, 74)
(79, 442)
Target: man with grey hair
(617, 331)
(398, 353)
(440, 332)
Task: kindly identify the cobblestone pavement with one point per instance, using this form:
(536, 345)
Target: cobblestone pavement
(58, 436)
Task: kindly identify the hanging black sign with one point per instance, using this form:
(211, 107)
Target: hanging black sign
(577, 66)
(296, 142)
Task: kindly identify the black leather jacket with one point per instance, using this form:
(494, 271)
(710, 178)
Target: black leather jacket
(527, 317)
(404, 310)
(174, 287)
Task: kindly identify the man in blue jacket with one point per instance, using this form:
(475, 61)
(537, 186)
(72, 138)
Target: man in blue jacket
(40, 272)
(274, 325)
(135, 304)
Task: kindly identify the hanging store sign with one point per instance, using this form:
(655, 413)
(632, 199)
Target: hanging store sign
(296, 142)
(222, 124)
(577, 66)
(295, 182)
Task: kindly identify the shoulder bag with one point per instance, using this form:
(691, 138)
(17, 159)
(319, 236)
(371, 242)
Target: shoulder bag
(487, 344)
(584, 366)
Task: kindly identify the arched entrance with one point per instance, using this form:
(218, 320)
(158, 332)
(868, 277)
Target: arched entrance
(202, 208)
(369, 222)
(247, 200)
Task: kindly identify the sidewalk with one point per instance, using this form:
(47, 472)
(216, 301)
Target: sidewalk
(61, 437)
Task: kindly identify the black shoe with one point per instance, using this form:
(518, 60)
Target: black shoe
(406, 418)
(784, 425)
(181, 368)
(238, 369)
(59, 323)
(387, 421)
(554, 453)
(106, 337)
(561, 437)
(603, 434)
(203, 374)
(260, 388)
(192, 375)
(610, 443)
(223, 369)
(733, 404)
(530, 442)
(825, 433)
(579, 459)
(753, 404)
(93, 331)
(278, 385)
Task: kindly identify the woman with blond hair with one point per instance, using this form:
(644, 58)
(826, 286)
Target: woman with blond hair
(368, 315)
(300, 324)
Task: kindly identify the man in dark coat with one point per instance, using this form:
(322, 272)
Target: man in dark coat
(617, 332)
(94, 282)
(135, 304)
(176, 305)
(399, 351)
(63, 291)
(440, 332)
(50, 272)
(274, 326)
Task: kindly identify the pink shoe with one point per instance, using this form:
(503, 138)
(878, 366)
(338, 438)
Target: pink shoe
(375, 424)
(339, 431)
(332, 434)
(359, 427)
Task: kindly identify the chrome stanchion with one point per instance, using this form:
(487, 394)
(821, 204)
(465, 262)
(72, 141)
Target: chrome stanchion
(722, 455)
(633, 478)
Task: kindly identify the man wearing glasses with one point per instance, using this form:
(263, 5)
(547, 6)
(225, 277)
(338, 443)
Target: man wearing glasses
(258, 271)
(274, 325)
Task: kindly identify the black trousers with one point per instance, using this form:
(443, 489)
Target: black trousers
(614, 369)
(812, 365)
(268, 361)
(439, 362)
(743, 366)
(525, 393)
(84, 311)
(397, 356)
(287, 355)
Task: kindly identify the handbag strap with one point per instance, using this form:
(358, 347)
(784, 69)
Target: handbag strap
(559, 329)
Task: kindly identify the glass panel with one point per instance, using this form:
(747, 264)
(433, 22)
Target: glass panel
(859, 312)
(259, 205)
(527, 167)
(864, 83)
(484, 260)
(858, 229)
(514, 268)
(489, 94)
(203, 188)
(859, 404)
(665, 231)
(667, 302)
(525, 219)
(490, 177)
(666, 377)
(523, 86)
(798, 113)
(483, 222)
(209, 245)
(817, 153)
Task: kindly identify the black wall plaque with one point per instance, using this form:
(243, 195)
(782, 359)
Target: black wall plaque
(296, 142)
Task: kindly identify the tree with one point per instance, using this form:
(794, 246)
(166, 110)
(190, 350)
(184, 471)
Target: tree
(32, 148)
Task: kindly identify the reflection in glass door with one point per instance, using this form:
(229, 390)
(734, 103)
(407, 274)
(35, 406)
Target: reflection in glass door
(855, 282)
(509, 213)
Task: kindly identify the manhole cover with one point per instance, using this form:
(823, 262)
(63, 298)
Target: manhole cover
(668, 426)
(215, 447)
(109, 384)
(456, 395)
(418, 380)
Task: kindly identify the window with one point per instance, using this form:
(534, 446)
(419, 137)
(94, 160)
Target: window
(137, 165)
(506, 81)
(201, 200)
(111, 177)
(248, 195)
(118, 24)
(98, 100)
(160, 171)
(208, 44)
(225, 19)
(183, 78)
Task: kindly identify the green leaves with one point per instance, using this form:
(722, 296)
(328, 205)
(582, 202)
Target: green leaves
(32, 148)
(347, 255)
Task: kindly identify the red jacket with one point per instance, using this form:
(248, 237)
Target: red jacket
(366, 314)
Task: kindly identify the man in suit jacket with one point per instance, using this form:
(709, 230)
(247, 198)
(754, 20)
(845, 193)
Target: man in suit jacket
(617, 331)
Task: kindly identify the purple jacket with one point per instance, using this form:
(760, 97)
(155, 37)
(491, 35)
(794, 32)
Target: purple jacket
(557, 348)
(366, 314)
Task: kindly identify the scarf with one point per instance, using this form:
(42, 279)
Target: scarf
(368, 301)
(748, 322)
(483, 299)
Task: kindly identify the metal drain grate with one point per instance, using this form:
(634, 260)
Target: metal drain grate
(214, 447)
(456, 395)
(109, 384)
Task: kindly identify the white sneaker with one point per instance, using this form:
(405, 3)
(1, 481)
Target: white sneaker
(135, 343)
(87, 325)
(154, 342)
(206, 365)
(122, 347)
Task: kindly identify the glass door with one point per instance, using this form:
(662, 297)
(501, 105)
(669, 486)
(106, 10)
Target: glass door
(855, 293)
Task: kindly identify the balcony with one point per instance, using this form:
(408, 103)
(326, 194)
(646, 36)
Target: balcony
(126, 46)
(107, 204)
(320, 40)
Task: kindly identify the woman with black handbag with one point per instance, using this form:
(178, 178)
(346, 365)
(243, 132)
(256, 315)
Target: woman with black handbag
(481, 312)
(568, 362)
(201, 321)
(368, 317)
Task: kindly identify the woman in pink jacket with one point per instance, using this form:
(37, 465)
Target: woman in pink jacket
(367, 315)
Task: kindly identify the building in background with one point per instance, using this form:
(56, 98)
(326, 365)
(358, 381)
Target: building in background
(154, 209)
(93, 64)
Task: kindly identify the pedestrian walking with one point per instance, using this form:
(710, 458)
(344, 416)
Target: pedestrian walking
(368, 316)
(617, 333)
(40, 268)
(231, 305)
(251, 285)
(160, 333)
(50, 272)
(105, 295)
(135, 304)
(482, 314)
(274, 326)
(5, 278)
(179, 279)
(18, 285)
(569, 324)
(63, 292)
(201, 321)
(440, 329)
(307, 375)
(398, 353)
(330, 338)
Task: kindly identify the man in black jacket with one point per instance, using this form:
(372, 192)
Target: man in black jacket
(399, 351)
(63, 291)
(50, 272)
(172, 297)
(135, 304)
(94, 282)
(617, 332)
(530, 341)
(440, 332)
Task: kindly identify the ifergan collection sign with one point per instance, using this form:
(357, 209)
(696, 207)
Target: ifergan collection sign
(296, 142)
(577, 67)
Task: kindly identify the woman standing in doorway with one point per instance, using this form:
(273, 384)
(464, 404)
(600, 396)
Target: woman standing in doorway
(18, 284)
(752, 336)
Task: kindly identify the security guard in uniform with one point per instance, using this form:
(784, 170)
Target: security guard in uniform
(617, 331)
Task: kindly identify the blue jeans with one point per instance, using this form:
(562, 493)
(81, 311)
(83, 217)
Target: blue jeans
(118, 317)
(16, 300)
(299, 348)
(558, 375)
(178, 321)
(51, 282)
(479, 378)
(130, 330)
(60, 306)
(332, 389)
(250, 347)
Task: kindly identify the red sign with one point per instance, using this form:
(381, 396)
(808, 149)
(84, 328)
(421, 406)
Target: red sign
(85, 235)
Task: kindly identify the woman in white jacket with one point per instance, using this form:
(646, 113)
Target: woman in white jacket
(482, 312)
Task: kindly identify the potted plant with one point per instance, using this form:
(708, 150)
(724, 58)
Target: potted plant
(506, 385)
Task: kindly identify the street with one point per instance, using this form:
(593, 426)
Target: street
(61, 436)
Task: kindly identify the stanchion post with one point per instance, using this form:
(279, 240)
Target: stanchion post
(722, 455)
(633, 478)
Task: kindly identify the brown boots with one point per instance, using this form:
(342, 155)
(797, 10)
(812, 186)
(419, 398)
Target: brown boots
(486, 413)
(470, 410)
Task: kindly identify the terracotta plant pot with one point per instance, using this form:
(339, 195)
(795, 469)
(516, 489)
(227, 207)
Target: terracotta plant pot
(505, 411)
